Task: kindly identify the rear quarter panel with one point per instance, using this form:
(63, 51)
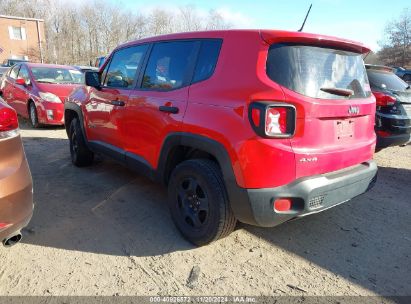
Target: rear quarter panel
(218, 109)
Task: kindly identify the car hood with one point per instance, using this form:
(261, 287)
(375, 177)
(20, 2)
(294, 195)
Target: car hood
(60, 90)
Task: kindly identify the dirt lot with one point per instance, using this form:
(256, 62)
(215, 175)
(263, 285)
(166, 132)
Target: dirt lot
(104, 230)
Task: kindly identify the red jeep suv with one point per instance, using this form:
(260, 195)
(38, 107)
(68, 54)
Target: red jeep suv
(259, 126)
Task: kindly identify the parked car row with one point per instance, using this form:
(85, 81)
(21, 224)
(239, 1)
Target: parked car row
(393, 102)
(278, 129)
(41, 99)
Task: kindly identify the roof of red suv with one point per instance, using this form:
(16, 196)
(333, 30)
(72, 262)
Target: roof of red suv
(270, 36)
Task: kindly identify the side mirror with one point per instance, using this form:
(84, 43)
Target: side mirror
(92, 79)
(21, 81)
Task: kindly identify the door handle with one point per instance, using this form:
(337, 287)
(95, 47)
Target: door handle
(118, 103)
(173, 110)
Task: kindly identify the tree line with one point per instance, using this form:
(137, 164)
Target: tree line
(396, 43)
(78, 33)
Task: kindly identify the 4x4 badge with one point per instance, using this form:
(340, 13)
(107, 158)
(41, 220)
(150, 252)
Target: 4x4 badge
(354, 110)
(308, 159)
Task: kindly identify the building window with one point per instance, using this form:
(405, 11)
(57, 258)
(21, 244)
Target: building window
(17, 33)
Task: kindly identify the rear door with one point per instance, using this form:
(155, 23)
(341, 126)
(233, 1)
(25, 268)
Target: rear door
(335, 107)
(157, 107)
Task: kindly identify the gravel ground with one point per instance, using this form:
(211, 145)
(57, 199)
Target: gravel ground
(104, 230)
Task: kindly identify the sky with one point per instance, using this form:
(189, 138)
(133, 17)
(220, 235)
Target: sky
(360, 20)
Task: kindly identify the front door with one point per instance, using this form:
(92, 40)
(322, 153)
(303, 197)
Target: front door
(105, 105)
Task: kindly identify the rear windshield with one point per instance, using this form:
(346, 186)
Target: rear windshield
(308, 69)
(386, 80)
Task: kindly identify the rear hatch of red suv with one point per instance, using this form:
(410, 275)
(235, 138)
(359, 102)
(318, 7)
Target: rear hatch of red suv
(326, 81)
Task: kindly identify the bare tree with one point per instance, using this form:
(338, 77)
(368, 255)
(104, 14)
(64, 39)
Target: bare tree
(160, 22)
(24, 8)
(189, 19)
(216, 21)
(396, 46)
(77, 34)
(373, 58)
(135, 26)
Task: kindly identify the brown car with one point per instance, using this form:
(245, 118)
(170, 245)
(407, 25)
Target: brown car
(16, 187)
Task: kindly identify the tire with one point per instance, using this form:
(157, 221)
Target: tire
(81, 155)
(198, 202)
(34, 119)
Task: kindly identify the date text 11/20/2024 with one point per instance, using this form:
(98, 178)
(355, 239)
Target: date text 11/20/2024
(231, 299)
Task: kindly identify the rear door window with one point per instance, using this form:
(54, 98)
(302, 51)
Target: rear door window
(169, 65)
(207, 59)
(309, 70)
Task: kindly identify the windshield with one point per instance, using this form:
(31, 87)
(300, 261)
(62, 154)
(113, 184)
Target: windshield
(57, 75)
(318, 72)
(11, 62)
(386, 80)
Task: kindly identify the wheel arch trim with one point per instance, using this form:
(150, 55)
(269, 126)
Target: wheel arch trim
(68, 106)
(238, 196)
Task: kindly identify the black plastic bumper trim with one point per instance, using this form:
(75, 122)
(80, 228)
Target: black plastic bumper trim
(334, 188)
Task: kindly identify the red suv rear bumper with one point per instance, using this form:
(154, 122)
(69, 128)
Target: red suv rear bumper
(309, 195)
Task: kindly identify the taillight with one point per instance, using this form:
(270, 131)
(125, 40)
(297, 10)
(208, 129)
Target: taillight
(275, 121)
(384, 100)
(8, 122)
(270, 119)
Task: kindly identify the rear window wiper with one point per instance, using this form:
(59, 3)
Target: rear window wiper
(338, 91)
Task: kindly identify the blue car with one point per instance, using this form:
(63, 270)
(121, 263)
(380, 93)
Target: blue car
(404, 74)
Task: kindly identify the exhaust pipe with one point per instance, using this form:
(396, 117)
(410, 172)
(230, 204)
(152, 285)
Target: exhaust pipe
(13, 240)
